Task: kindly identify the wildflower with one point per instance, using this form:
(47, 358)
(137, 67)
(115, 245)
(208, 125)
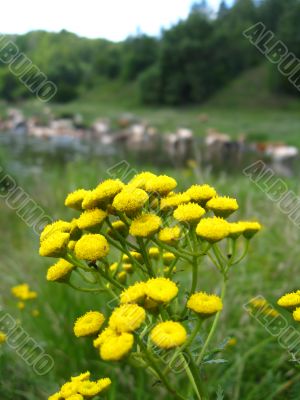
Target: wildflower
(271, 312)
(236, 229)
(130, 200)
(140, 180)
(69, 389)
(122, 276)
(90, 389)
(133, 294)
(174, 200)
(75, 397)
(258, 302)
(127, 318)
(3, 337)
(201, 193)
(289, 300)
(57, 226)
(91, 247)
(168, 257)
(75, 199)
(116, 347)
(71, 245)
(222, 206)
(169, 334)
(145, 225)
(21, 305)
(251, 228)
(104, 383)
(190, 212)
(169, 235)
(55, 396)
(161, 290)
(23, 292)
(88, 324)
(119, 227)
(205, 304)
(213, 229)
(113, 267)
(296, 314)
(153, 252)
(127, 267)
(161, 184)
(136, 255)
(91, 218)
(60, 271)
(103, 336)
(55, 245)
(102, 194)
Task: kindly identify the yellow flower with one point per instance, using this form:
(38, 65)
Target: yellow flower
(59, 271)
(91, 218)
(161, 184)
(222, 206)
(71, 245)
(169, 235)
(89, 388)
(55, 396)
(103, 194)
(236, 229)
(75, 199)
(116, 347)
(122, 276)
(169, 334)
(91, 247)
(57, 226)
(127, 318)
(201, 193)
(133, 294)
(161, 290)
(113, 267)
(68, 389)
(251, 228)
(174, 200)
(130, 200)
(75, 397)
(120, 227)
(23, 292)
(205, 304)
(21, 305)
(88, 324)
(213, 229)
(296, 314)
(55, 245)
(258, 302)
(168, 258)
(145, 225)
(137, 256)
(289, 300)
(140, 180)
(3, 337)
(127, 267)
(190, 212)
(103, 336)
(154, 252)
(104, 383)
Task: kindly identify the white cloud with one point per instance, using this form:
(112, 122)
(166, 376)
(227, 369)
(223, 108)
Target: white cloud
(112, 19)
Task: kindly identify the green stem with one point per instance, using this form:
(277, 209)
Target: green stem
(80, 289)
(234, 262)
(145, 257)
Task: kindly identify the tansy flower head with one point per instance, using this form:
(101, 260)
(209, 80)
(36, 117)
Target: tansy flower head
(59, 271)
(136, 255)
(128, 267)
(75, 397)
(168, 257)
(169, 235)
(57, 226)
(69, 389)
(91, 247)
(113, 267)
(145, 225)
(127, 318)
(55, 245)
(289, 300)
(201, 193)
(90, 389)
(258, 302)
(161, 290)
(3, 337)
(82, 377)
(122, 276)
(116, 347)
(173, 201)
(222, 206)
(23, 292)
(71, 245)
(213, 229)
(75, 199)
(91, 218)
(154, 252)
(190, 212)
(103, 336)
(296, 314)
(236, 229)
(161, 184)
(55, 396)
(103, 194)
(89, 324)
(130, 200)
(140, 180)
(120, 227)
(250, 228)
(169, 334)
(133, 294)
(205, 304)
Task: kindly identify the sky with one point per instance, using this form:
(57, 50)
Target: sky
(110, 19)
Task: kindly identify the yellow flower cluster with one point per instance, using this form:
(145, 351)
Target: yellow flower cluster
(23, 292)
(60, 271)
(81, 387)
(89, 324)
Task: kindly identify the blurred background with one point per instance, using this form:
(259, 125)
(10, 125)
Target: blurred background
(197, 90)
